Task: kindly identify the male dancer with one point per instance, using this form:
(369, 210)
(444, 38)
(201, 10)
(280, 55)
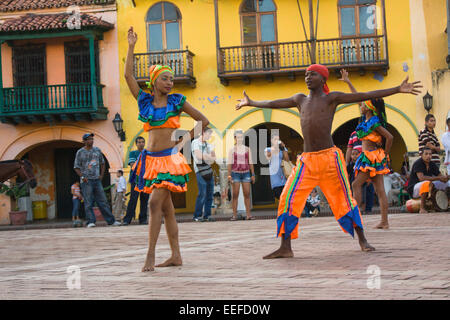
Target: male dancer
(321, 163)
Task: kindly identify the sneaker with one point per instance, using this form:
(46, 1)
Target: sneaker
(116, 223)
(198, 219)
(125, 223)
(90, 225)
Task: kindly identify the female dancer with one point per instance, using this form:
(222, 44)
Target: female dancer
(161, 168)
(240, 170)
(373, 162)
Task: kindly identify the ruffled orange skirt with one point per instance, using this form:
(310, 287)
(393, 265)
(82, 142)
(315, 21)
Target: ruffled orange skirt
(164, 169)
(375, 162)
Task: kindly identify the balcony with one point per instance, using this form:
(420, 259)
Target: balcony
(179, 60)
(292, 58)
(52, 103)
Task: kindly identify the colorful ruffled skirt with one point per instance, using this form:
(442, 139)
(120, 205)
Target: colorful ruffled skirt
(163, 169)
(375, 162)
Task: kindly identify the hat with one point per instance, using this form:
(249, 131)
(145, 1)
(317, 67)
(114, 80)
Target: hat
(87, 135)
(323, 71)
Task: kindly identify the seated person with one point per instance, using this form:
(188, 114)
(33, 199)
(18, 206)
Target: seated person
(397, 185)
(312, 206)
(425, 176)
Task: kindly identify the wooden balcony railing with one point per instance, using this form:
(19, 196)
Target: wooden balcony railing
(363, 52)
(62, 102)
(181, 62)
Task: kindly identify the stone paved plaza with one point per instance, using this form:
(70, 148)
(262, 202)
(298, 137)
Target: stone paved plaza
(223, 260)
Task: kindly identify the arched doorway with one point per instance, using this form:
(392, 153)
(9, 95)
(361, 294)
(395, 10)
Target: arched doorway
(398, 149)
(53, 166)
(258, 138)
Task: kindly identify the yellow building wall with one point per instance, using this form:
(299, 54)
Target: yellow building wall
(435, 12)
(217, 102)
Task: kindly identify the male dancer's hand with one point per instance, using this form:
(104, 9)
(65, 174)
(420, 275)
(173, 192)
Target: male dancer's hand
(412, 88)
(243, 102)
(132, 37)
(344, 75)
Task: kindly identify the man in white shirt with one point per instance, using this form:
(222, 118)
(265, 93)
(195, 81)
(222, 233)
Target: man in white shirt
(204, 156)
(119, 201)
(446, 142)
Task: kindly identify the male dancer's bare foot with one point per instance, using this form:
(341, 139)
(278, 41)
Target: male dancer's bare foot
(149, 264)
(171, 262)
(280, 253)
(365, 246)
(284, 251)
(382, 225)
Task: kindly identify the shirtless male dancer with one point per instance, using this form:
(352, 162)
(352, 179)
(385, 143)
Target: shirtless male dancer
(321, 163)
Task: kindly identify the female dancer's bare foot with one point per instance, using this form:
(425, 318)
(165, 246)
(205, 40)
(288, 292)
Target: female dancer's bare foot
(382, 225)
(149, 264)
(171, 262)
(280, 253)
(365, 246)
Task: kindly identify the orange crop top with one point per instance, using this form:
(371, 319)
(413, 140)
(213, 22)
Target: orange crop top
(165, 117)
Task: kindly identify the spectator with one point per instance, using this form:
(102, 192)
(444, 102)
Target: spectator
(240, 171)
(427, 138)
(397, 186)
(404, 171)
(446, 144)
(135, 195)
(76, 200)
(312, 206)
(351, 164)
(425, 176)
(119, 200)
(203, 154)
(90, 166)
(276, 154)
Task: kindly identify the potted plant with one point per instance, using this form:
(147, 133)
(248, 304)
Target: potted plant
(16, 191)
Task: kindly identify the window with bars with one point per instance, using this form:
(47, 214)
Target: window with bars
(78, 66)
(29, 65)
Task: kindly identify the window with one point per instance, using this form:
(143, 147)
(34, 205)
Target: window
(29, 65)
(29, 77)
(258, 27)
(77, 58)
(357, 18)
(163, 27)
(78, 73)
(258, 21)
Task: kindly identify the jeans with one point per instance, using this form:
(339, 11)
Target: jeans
(205, 197)
(93, 190)
(241, 176)
(131, 208)
(76, 207)
(369, 196)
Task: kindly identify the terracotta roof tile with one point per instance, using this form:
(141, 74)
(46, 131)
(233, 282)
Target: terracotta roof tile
(36, 22)
(18, 5)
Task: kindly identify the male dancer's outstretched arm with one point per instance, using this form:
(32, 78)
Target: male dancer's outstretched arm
(291, 102)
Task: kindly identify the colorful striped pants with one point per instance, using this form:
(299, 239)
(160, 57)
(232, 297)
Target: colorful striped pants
(326, 169)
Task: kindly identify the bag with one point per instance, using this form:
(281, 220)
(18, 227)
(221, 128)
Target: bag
(287, 167)
(205, 171)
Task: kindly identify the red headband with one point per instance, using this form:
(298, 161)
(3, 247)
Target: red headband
(323, 71)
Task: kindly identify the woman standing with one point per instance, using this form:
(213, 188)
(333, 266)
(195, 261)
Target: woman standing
(240, 171)
(373, 162)
(161, 168)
